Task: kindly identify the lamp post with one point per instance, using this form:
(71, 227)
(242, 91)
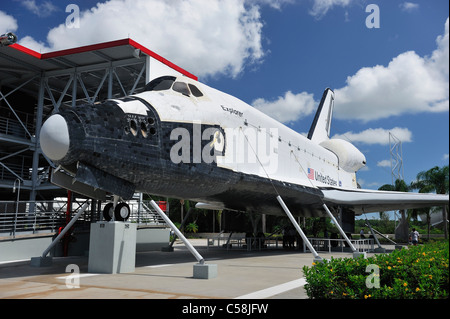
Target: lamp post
(17, 204)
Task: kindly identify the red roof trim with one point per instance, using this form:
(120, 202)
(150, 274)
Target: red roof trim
(161, 59)
(86, 48)
(23, 49)
(99, 46)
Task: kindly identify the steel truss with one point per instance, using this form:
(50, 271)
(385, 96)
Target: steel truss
(21, 159)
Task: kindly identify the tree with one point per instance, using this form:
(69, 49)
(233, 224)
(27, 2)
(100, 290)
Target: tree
(192, 227)
(435, 180)
(401, 231)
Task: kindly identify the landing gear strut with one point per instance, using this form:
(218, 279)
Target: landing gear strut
(120, 213)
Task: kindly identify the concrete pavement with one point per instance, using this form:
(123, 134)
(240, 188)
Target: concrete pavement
(266, 274)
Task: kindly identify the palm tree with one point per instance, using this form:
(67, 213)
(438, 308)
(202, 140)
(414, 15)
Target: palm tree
(434, 180)
(401, 231)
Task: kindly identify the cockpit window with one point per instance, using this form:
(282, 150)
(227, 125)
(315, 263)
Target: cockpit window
(166, 82)
(160, 84)
(182, 88)
(195, 91)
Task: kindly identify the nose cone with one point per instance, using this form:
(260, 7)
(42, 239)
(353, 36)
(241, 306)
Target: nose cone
(54, 137)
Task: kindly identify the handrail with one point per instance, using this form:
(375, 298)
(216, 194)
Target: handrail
(362, 245)
(48, 216)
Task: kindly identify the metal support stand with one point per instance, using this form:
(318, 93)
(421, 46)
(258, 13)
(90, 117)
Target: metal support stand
(356, 253)
(229, 240)
(201, 270)
(115, 202)
(379, 249)
(317, 258)
(170, 247)
(385, 237)
(112, 247)
(47, 261)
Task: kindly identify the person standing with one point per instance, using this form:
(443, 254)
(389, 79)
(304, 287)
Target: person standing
(361, 234)
(414, 237)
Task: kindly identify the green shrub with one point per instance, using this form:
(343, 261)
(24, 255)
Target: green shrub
(419, 272)
(192, 228)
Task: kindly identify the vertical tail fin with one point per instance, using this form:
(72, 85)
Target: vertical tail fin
(320, 128)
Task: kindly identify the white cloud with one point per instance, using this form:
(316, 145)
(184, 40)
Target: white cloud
(7, 23)
(276, 4)
(376, 136)
(44, 9)
(408, 6)
(384, 163)
(364, 169)
(409, 84)
(205, 37)
(321, 7)
(287, 108)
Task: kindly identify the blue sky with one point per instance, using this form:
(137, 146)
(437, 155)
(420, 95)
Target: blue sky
(280, 56)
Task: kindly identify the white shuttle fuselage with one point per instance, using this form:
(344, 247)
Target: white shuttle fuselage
(257, 144)
(181, 138)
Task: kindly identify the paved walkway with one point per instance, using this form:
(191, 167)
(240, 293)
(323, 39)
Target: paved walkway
(267, 274)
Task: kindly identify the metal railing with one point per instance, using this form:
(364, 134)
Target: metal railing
(336, 244)
(41, 217)
(25, 217)
(14, 127)
(144, 214)
(243, 242)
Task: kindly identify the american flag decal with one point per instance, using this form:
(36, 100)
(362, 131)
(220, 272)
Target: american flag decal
(311, 173)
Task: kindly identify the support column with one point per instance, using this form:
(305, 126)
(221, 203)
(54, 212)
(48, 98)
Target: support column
(379, 249)
(356, 253)
(170, 247)
(317, 258)
(74, 89)
(68, 213)
(37, 149)
(201, 270)
(139, 208)
(263, 221)
(191, 248)
(47, 261)
(110, 82)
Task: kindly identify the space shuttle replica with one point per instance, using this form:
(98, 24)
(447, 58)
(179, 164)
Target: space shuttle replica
(182, 139)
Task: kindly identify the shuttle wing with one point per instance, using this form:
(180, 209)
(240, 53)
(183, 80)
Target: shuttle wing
(369, 201)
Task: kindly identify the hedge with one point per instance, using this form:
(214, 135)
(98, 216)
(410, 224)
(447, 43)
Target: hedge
(419, 272)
